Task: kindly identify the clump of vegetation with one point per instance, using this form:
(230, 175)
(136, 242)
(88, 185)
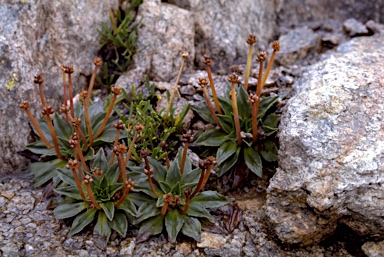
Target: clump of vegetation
(117, 41)
(244, 123)
(173, 198)
(92, 123)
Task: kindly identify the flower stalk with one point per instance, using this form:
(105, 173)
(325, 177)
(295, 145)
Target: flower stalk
(276, 48)
(164, 146)
(119, 151)
(148, 170)
(251, 39)
(72, 165)
(74, 143)
(207, 61)
(69, 70)
(206, 166)
(46, 112)
(186, 138)
(118, 126)
(185, 56)
(24, 106)
(187, 194)
(116, 91)
(138, 128)
(203, 83)
(233, 79)
(87, 181)
(39, 80)
(128, 185)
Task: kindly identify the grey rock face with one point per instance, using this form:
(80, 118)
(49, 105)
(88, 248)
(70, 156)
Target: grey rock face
(372, 249)
(165, 32)
(332, 148)
(354, 27)
(296, 45)
(37, 37)
(295, 11)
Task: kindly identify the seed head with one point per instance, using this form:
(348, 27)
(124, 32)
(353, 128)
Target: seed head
(83, 94)
(119, 125)
(163, 145)
(25, 105)
(139, 127)
(276, 46)
(187, 137)
(203, 82)
(129, 184)
(97, 172)
(207, 60)
(97, 61)
(210, 160)
(185, 55)
(67, 69)
(76, 122)
(72, 164)
(187, 192)
(144, 153)
(148, 172)
(88, 179)
(233, 78)
(116, 90)
(251, 39)
(73, 140)
(38, 79)
(64, 108)
(48, 110)
(168, 198)
(261, 57)
(119, 149)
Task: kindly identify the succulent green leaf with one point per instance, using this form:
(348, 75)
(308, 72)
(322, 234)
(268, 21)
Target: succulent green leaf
(112, 174)
(242, 104)
(210, 199)
(66, 175)
(269, 151)
(70, 191)
(270, 124)
(226, 105)
(197, 210)
(107, 136)
(44, 171)
(188, 164)
(191, 228)
(82, 221)
(138, 198)
(159, 171)
(151, 227)
(62, 128)
(204, 113)
(165, 187)
(39, 147)
(173, 174)
(229, 162)
(253, 161)
(90, 155)
(192, 177)
(160, 202)
(226, 122)
(102, 226)
(225, 151)
(109, 209)
(100, 161)
(45, 129)
(176, 189)
(128, 205)
(119, 223)
(68, 210)
(173, 223)
(265, 104)
(147, 210)
(213, 137)
(145, 188)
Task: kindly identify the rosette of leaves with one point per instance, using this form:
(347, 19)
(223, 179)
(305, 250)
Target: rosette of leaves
(245, 121)
(224, 139)
(93, 123)
(172, 200)
(101, 197)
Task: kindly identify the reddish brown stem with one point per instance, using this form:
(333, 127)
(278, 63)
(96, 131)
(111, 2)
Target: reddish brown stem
(186, 207)
(184, 158)
(38, 129)
(106, 118)
(123, 172)
(198, 187)
(114, 144)
(54, 137)
(214, 94)
(71, 94)
(78, 184)
(210, 107)
(92, 197)
(268, 69)
(132, 145)
(236, 114)
(248, 67)
(164, 208)
(79, 153)
(125, 194)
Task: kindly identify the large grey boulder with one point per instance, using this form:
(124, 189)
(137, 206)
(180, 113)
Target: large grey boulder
(331, 154)
(294, 11)
(37, 37)
(217, 28)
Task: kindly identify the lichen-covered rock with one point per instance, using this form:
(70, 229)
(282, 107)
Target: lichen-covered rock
(332, 148)
(354, 27)
(373, 249)
(37, 37)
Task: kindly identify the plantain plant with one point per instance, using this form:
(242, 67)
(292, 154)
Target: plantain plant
(172, 197)
(244, 122)
(93, 124)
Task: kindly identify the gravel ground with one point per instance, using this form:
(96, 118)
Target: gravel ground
(28, 228)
